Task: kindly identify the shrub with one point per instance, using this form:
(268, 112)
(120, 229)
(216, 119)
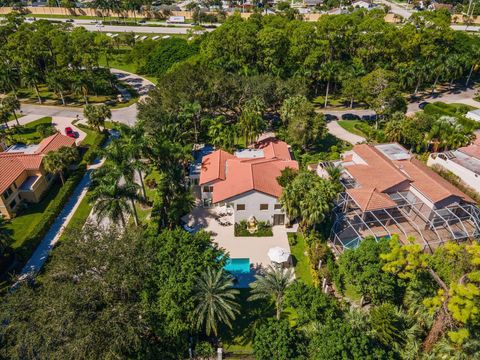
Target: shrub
(45, 130)
(204, 350)
(50, 214)
(263, 229)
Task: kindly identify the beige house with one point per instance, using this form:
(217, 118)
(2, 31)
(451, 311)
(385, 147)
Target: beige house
(22, 176)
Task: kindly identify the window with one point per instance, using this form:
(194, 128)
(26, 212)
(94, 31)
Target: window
(6, 194)
(278, 207)
(13, 203)
(263, 206)
(207, 189)
(240, 206)
(14, 186)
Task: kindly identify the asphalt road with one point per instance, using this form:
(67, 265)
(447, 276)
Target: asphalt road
(126, 115)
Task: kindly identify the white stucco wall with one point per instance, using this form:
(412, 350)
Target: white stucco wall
(467, 176)
(252, 201)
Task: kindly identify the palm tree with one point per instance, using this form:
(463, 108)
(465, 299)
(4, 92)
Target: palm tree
(31, 77)
(96, 115)
(250, 122)
(215, 300)
(57, 81)
(9, 77)
(132, 142)
(273, 284)
(11, 104)
(111, 198)
(56, 162)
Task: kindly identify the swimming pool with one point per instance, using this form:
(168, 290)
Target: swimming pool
(238, 266)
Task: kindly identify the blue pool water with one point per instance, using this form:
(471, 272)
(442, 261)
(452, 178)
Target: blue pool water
(238, 266)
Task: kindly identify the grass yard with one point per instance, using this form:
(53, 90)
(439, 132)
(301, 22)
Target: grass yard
(117, 61)
(237, 342)
(298, 248)
(80, 217)
(28, 133)
(28, 219)
(352, 126)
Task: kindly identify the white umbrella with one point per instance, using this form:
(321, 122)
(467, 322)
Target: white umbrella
(278, 254)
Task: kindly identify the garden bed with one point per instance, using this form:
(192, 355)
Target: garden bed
(263, 229)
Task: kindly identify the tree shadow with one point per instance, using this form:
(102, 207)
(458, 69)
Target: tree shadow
(252, 313)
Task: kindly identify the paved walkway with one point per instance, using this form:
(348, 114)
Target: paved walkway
(40, 256)
(457, 95)
(336, 130)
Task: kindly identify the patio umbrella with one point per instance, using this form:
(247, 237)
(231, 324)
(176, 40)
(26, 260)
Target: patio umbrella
(278, 254)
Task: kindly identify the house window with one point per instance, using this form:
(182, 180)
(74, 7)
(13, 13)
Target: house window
(263, 206)
(207, 189)
(14, 186)
(278, 206)
(13, 203)
(240, 206)
(6, 194)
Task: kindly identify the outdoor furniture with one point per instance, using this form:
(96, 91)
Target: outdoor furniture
(278, 255)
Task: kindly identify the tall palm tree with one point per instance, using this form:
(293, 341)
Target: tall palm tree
(56, 162)
(31, 77)
(113, 199)
(133, 143)
(97, 115)
(11, 104)
(215, 300)
(272, 284)
(57, 81)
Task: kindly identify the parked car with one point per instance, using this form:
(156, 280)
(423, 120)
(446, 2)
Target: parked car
(143, 21)
(69, 20)
(330, 117)
(69, 132)
(350, 117)
(423, 104)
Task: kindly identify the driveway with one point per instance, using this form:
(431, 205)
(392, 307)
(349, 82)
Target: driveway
(336, 130)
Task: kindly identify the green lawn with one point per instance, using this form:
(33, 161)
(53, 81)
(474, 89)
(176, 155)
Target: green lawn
(237, 342)
(298, 248)
(80, 216)
(117, 61)
(352, 126)
(28, 219)
(28, 133)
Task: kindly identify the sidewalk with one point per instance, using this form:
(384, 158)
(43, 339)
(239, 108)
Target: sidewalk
(40, 256)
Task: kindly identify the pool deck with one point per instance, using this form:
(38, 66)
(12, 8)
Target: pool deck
(254, 248)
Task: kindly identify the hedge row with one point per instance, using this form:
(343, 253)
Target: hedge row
(93, 150)
(50, 214)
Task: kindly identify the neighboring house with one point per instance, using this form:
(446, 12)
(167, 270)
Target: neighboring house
(388, 191)
(22, 176)
(464, 162)
(247, 180)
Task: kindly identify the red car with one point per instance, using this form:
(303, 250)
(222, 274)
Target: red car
(69, 132)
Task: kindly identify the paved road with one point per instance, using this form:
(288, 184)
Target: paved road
(458, 95)
(126, 115)
(397, 8)
(336, 130)
(140, 29)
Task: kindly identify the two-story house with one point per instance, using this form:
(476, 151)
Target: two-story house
(247, 180)
(23, 178)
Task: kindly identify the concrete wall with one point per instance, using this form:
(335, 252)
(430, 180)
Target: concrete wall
(252, 201)
(466, 175)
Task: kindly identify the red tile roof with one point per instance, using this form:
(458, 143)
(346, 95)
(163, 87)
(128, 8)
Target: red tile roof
(213, 166)
(54, 142)
(474, 148)
(236, 176)
(370, 199)
(379, 174)
(13, 164)
(260, 175)
(274, 148)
